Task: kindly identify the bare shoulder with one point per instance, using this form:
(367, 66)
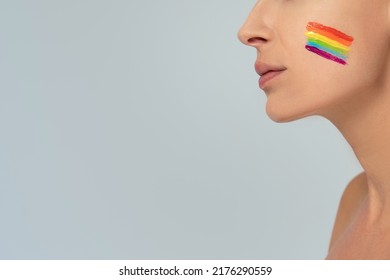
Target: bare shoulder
(350, 201)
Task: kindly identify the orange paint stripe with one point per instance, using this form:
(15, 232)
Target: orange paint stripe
(329, 32)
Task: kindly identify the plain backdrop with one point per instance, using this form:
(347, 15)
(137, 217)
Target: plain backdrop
(136, 130)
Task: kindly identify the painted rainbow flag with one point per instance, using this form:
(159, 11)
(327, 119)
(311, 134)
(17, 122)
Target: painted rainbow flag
(328, 42)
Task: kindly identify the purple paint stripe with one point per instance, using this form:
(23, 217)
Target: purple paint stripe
(325, 54)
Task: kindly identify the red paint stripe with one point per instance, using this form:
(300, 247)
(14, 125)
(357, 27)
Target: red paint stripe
(330, 36)
(313, 26)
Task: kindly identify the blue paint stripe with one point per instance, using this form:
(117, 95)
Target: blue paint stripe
(325, 49)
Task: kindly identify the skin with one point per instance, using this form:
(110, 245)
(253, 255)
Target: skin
(355, 98)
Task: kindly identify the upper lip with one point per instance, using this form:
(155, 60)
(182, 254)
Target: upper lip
(262, 68)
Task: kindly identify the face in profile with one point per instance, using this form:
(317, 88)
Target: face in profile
(299, 36)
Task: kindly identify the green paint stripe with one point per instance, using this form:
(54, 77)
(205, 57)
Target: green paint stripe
(330, 47)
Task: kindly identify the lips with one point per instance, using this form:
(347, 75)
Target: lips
(262, 68)
(267, 72)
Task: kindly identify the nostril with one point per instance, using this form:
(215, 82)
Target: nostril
(256, 40)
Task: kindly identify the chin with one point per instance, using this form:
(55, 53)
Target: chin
(282, 119)
(291, 105)
(281, 115)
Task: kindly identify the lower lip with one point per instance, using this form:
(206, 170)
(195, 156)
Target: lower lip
(264, 79)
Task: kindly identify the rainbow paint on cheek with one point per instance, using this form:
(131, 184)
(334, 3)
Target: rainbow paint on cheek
(328, 42)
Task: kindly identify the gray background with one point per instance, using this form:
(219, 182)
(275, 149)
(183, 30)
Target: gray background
(136, 130)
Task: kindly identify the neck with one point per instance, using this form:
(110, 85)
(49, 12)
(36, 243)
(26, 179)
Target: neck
(365, 124)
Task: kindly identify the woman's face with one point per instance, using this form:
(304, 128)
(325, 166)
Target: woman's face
(312, 84)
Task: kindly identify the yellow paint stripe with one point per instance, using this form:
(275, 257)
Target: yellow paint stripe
(316, 36)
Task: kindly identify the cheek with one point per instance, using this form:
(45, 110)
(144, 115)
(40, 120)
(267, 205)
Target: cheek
(315, 84)
(321, 78)
(369, 62)
(329, 84)
(328, 42)
(311, 90)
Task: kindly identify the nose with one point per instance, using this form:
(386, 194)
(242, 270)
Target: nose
(257, 31)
